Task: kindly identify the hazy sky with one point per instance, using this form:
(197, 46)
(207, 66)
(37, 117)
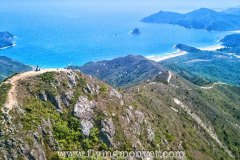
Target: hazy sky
(140, 8)
(165, 4)
(128, 5)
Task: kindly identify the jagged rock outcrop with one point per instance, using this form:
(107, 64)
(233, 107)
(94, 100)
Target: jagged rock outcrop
(107, 131)
(83, 109)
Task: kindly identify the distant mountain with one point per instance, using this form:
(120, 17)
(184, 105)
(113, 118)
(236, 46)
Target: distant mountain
(186, 48)
(233, 11)
(231, 40)
(123, 71)
(199, 19)
(6, 39)
(231, 45)
(9, 66)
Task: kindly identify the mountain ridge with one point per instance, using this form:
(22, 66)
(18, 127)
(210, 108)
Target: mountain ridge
(202, 18)
(50, 109)
(123, 71)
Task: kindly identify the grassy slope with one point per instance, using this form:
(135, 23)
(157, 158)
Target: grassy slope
(219, 106)
(204, 67)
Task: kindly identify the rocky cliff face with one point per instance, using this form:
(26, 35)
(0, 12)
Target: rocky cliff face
(71, 111)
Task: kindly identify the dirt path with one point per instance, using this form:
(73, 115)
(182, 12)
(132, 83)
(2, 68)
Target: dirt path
(169, 76)
(210, 87)
(208, 129)
(12, 97)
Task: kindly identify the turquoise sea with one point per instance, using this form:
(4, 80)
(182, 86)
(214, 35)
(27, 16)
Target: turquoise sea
(57, 35)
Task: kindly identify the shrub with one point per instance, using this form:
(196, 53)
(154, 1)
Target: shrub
(47, 77)
(104, 89)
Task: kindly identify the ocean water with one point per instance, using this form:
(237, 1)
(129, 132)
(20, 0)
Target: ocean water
(51, 35)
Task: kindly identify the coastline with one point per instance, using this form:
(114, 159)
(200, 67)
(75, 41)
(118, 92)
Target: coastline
(165, 56)
(162, 57)
(212, 48)
(7, 47)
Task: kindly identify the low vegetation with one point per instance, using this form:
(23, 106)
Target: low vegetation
(3, 93)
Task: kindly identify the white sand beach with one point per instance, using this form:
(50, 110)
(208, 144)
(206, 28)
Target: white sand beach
(8, 46)
(162, 57)
(237, 56)
(159, 58)
(212, 48)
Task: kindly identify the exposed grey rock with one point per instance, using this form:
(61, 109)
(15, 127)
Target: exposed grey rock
(37, 153)
(43, 96)
(107, 131)
(56, 100)
(4, 154)
(91, 89)
(164, 141)
(121, 102)
(136, 128)
(36, 135)
(33, 155)
(22, 148)
(72, 80)
(1, 132)
(46, 130)
(130, 107)
(140, 116)
(180, 145)
(65, 101)
(58, 103)
(125, 121)
(128, 116)
(115, 93)
(58, 83)
(86, 127)
(150, 133)
(69, 95)
(129, 113)
(83, 109)
(98, 89)
(137, 143)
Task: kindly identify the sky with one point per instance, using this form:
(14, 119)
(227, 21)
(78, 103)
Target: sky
(147, 6)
